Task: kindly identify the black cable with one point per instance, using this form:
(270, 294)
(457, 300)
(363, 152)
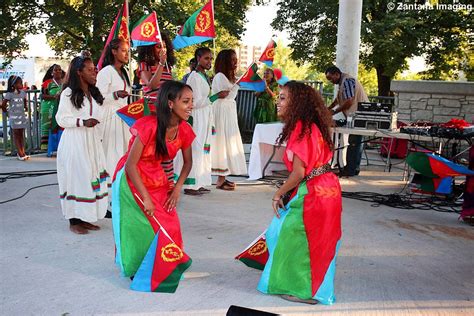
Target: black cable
(19, 197)
(408, 201)
(4, 176)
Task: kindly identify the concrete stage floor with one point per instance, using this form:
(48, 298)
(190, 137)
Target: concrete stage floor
(391, 262)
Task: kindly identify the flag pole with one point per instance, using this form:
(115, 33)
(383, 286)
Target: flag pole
(130, 71)
(214, 21)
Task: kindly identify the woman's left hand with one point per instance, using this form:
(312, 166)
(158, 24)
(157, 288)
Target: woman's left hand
(277, 203)
(172, 201)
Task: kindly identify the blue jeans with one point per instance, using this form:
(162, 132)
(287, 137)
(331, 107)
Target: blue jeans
(354, 155)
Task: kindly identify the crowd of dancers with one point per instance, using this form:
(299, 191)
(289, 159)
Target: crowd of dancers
(106, 169)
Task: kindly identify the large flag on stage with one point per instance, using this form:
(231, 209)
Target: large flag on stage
(119, 30)
(135, 110)
(268, 54)
(198, 28)
(251, 80)
(256, 254)
(146, 31)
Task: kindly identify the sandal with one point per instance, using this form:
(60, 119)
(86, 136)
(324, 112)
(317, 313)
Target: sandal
(232, 184)
(295, 299)
(204, 190)
(225, 186)
(78, 229)
(192, 192)
(89, 226)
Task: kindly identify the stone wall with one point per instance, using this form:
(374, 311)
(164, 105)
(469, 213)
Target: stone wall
(434, 101)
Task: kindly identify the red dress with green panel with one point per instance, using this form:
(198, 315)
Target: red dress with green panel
(134, 230)
(303, 243)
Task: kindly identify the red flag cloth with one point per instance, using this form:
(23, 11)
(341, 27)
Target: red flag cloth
(268, 54)
(146, 31)
(256, 254)
(119, 30)
(136, 110)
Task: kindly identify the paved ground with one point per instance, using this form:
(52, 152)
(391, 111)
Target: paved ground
(392, 262)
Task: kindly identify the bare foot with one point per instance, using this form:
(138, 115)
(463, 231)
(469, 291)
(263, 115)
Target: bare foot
(78, 229)
(89, 226)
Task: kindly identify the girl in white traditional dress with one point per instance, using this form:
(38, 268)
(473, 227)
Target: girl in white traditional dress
(227, 150)
(114, 85)
(202, 123)
(82, 175)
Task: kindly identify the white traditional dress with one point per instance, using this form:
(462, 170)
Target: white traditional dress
(116, 133)
(227, 153)
(202, 123)
(82, 175)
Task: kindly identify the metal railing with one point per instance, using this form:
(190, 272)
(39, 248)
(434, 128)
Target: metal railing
(246, 102)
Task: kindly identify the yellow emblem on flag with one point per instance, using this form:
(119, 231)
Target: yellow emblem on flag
(259, 248)
(326, 191)
(123, 32)
(203, 21)
(135, 108)
(147, 29)
(270, 53)
(171, 253)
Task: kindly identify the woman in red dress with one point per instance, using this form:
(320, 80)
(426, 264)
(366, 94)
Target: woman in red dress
(141, 190)
(304, 236)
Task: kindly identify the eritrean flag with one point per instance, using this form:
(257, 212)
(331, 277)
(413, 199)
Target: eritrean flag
(438, 172)
(251, 80)
(146, 31)
(268, 54)
(136, 110)
(119, 30)
(256, 254)
(144, 249)
(198, 28)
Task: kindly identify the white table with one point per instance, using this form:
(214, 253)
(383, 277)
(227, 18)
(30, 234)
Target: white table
(265, 155)
(262, 150)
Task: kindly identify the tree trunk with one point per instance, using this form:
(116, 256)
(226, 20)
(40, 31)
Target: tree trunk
(383, 82)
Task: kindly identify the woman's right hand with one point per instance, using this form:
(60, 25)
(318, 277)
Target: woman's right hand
(149, 206)
(90, 122)
(121, 94)
(223, 94)
(163, 56)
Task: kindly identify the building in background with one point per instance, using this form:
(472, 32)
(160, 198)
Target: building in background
(246, 55)
(31, 70)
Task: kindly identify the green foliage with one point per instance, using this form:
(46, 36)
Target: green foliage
(388, 38)
(73, 25)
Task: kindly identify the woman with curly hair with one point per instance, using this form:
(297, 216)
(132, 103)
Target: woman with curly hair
(304, 236)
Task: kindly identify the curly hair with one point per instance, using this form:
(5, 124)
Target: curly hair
(147, 53)
(305, 104)
(224, 64)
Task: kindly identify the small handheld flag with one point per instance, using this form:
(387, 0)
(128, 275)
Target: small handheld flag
(268, 54)
(136, 110)
(198, 28)
(146, 31)
(119, 30)
(256, 254)
(251, 80)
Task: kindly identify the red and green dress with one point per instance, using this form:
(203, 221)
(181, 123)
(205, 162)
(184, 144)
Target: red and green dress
(134, 230)
(303, 243)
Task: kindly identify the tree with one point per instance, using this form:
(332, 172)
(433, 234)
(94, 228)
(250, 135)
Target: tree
(79, 24)
(388, 37)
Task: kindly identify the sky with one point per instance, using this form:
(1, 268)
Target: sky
(258, 31)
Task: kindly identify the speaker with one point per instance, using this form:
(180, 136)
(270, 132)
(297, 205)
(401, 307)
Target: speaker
(244, 311)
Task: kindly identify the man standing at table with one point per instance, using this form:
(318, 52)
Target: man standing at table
(349, 95)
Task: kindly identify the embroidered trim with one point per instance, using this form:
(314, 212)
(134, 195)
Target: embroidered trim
(83, 199)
